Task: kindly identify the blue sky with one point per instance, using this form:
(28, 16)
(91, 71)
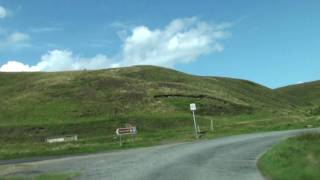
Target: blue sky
(274, 43)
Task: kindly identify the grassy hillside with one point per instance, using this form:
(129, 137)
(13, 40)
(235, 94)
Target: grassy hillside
(307, 92)
(93, 104)
(31, 98)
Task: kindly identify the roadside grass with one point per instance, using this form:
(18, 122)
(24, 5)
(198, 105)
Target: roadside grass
(47, 176)
(296, 158)
(18, 142)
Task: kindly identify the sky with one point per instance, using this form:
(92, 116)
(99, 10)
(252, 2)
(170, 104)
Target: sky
(274, 42)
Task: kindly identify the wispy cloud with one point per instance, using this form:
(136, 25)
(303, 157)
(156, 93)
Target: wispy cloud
(122, 24)
(17, 37)
(14, 39)
(181, 41)
(3, 12)
(45, 29)
(3, 31)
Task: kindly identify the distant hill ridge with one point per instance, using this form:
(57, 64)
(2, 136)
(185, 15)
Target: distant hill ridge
(308, 92)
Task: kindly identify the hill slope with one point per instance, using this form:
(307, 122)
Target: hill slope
(90, 95)
(92, 104)
(306, 92)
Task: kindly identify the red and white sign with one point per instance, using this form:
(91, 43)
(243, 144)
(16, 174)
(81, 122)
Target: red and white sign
(126, 131)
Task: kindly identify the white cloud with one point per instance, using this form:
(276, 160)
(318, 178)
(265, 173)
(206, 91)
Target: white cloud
(3, 12)
(182, 41)
(14, 66)
(59, 60)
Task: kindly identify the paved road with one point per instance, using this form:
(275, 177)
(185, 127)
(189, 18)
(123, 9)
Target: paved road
(225, 158)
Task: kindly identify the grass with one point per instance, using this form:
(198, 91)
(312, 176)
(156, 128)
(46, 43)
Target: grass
(64, 97)
(293, 159)
(49, 176)
(100, 140)
(305, 92)
(92, 104)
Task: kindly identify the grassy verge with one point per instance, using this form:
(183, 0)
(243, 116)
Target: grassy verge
(17, 142)
(295, 158)
(65, 176)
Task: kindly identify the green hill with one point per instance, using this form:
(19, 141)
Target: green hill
(308, 92)
(31, 98)
(93, 104)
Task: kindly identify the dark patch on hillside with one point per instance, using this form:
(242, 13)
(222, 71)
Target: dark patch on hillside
(208, 105)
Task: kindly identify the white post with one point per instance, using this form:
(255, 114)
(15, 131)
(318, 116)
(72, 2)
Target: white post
(195, 124)
(211, 127)
(133, 138)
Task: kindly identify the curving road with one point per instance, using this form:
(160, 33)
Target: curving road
(225, 158)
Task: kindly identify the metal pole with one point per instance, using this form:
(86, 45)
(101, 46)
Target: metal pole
(195, 125)
(120, 141)
(133, 137)
(211, 127)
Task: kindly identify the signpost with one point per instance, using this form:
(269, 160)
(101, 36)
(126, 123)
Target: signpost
(194, 108)
(126, 131)
(211, 127)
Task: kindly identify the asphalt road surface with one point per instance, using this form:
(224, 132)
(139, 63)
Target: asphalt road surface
(224, 158)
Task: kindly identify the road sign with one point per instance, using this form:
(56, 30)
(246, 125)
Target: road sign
(62, 139)
(193, 107)
(126, 131)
